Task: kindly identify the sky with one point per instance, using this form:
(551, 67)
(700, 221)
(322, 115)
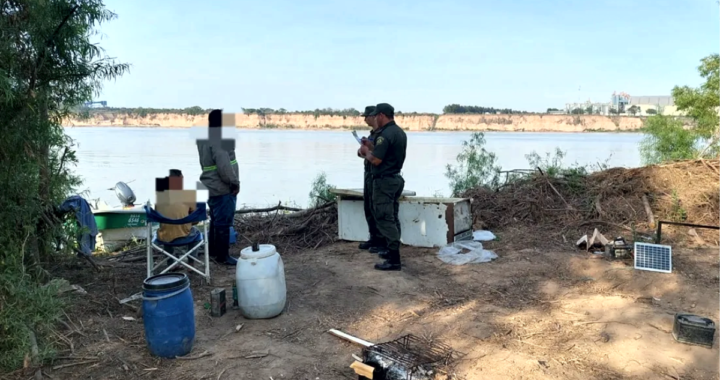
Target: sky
(418, 55)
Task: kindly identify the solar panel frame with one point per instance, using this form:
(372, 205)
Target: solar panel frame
(647, 255)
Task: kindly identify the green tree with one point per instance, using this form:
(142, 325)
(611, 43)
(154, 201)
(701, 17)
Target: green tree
(476, 167)
(195, 110)
(48, 67)
(633, 110)
(701, 103)
(577, 111)
(666, 139)
(651, 111)
(589, 110)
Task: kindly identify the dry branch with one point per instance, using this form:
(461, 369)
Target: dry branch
(279, 207)
(648, 210)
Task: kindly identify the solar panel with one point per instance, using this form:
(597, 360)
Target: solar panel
(653, 257)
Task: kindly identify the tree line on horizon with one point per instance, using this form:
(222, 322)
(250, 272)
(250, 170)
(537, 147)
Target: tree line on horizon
(460, 109)
(352, 112)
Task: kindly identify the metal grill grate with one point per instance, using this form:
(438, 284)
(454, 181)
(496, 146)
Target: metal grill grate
(653, 257)
(412, 352)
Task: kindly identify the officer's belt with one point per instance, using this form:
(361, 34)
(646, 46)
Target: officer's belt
(381, 176)
(214, 167)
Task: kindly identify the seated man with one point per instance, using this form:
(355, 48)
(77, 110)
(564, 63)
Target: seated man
(175, 203)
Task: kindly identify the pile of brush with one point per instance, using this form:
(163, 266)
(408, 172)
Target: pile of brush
(618, 198)
(289, 229)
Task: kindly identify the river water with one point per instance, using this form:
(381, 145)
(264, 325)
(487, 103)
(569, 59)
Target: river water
(280, 165)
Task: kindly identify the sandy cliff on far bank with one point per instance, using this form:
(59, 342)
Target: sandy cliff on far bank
(510, 123)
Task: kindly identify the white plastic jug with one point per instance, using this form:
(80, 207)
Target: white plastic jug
(260, 277)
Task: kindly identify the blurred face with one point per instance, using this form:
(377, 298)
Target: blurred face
(176, 183)
(381, 120)
(370, 121)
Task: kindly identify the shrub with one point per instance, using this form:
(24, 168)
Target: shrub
(666, 139)
(475, 167)
(321, 191)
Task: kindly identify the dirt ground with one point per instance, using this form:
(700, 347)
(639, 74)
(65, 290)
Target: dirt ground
(531, 314)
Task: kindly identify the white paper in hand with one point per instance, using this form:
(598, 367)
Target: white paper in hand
(359, 140)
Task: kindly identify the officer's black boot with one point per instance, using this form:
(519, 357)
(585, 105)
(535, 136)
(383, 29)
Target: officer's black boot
(222, 247)
(381, 250)
(379, 246)
(392, 261)
(366, 244)
(372, 244)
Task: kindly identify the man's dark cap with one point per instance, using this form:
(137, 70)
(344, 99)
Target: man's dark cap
(385, 109)
(368, 111)
(175, 173)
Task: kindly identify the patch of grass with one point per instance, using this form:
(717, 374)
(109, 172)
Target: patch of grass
(32, 316)
(552, 165)
(677, 212)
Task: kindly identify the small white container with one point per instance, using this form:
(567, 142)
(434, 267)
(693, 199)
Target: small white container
(260, 277)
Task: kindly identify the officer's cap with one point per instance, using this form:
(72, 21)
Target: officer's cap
(368, 110)
(385, 109)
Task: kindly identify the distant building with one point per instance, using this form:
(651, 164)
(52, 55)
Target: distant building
(624, 104)
(654, 100)
(99, 104)
(595, 108)
(664, 105)
(619, 101)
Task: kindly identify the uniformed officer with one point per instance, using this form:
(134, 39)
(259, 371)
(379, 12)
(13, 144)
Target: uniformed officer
(376, 241)
(387, 156)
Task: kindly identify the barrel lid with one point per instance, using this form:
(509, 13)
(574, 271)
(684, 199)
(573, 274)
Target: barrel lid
(266, 250)
(165, 281)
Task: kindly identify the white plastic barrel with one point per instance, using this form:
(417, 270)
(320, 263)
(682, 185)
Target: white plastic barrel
(260, 278)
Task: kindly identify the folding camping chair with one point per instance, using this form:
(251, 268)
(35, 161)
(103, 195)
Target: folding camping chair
(199, 215)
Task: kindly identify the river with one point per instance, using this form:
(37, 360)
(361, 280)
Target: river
(280, 165)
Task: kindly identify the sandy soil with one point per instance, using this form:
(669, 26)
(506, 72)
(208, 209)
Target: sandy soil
(531, 314)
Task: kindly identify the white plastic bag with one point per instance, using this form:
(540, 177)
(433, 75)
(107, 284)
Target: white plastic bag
(483, 235)
(464, 252)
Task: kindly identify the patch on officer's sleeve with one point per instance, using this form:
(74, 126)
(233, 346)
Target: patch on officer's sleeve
(379, 140)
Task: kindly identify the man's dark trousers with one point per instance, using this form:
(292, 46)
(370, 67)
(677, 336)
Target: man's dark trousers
(375, 237)
(222, 216)
(386, 195)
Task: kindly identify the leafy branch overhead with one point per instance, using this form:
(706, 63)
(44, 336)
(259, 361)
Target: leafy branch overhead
(667, 138)
(701, 103)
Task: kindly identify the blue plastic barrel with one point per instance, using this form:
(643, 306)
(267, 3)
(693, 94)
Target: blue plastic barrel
(168, 315)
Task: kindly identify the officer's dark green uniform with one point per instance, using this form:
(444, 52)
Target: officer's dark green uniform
(376, 240)
(390, 148)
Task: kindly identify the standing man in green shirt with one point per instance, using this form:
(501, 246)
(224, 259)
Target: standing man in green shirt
(221, 178)
(387, 156)
(376, 242)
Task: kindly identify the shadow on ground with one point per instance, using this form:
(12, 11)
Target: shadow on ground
(532, 314)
